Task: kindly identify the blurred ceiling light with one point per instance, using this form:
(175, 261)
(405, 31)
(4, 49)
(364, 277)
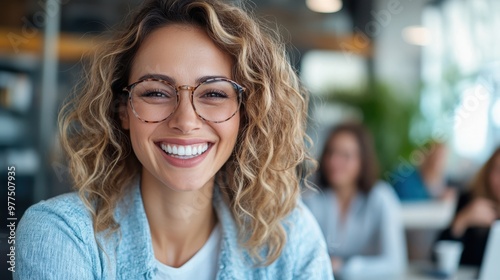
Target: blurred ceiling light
(417, 35)
(324, 6)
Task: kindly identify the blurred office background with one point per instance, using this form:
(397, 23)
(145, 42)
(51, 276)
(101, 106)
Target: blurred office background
(411, 71)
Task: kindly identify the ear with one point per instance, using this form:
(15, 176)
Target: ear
(124, 119)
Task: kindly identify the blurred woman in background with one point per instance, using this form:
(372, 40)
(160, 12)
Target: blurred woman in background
(359, 216)
(476, 211)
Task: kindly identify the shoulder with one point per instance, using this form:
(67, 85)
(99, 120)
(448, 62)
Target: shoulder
(58, 229)
(66, 212)
(382, 191)
(382, 196)
(66, 206)
(53, 230)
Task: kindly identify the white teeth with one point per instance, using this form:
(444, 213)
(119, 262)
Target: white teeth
(185, 151)
(181, 151)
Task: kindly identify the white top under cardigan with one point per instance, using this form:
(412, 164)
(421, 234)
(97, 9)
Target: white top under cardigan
(371, 239)
(202, 266)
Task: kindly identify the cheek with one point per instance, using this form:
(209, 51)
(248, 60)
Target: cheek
(228, 133)
(356, 166)
(351, 169)
(331, 164)
(338, 165)
(338, 169)
(139, 132)
(348, 165)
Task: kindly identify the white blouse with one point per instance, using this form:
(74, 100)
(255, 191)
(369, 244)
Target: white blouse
(202, 266)
(370, 239)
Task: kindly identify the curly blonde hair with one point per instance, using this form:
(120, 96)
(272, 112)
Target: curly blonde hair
(261, 179)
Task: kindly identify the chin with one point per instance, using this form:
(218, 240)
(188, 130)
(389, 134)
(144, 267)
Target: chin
(338, 183)
(186, 184)
(335, 181)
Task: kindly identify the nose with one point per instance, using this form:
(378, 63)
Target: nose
(184, 119)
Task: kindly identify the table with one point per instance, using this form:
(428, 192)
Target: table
(428, 214)
(420, 271)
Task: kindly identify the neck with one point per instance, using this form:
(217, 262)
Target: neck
(346, 192)
(344, 195)
(180, 221)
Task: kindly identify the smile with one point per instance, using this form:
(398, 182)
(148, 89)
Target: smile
(184, 151)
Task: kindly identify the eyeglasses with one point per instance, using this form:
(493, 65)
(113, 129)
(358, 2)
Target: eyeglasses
(215, 100)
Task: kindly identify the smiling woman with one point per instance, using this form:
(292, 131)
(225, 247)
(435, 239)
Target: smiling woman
(186, 146)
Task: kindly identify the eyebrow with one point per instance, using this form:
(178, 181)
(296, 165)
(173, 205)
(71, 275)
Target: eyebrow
(172, 80)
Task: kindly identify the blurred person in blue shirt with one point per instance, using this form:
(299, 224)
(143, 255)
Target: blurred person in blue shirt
(426, 181)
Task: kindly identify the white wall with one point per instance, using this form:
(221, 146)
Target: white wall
(395, 61)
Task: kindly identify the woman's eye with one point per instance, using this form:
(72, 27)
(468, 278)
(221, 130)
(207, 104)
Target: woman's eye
(155, 94)
(215, 94)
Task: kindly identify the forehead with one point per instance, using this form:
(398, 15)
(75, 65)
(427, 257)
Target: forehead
(344, 138)
(182, 52)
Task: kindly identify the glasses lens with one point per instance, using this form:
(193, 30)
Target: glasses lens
(153, 100)
(216, 101)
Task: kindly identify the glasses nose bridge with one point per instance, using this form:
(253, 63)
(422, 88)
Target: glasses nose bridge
(191, 89)
(188, 88)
